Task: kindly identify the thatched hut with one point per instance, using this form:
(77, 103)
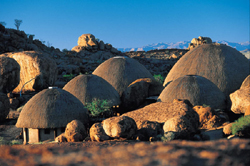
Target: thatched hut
(89, 87)
(46, 114)
(121, 71)
(223, 65)
(198, 90)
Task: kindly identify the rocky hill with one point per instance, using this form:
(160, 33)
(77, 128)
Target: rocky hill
(183, 45)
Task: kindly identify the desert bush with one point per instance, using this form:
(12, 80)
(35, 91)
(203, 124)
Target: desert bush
(241, 127)
(69, 76)
(168, 136)
(159, 78)
(97, 106)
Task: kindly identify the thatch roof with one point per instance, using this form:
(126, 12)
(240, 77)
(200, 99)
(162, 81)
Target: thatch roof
(88, 87)
(51, 108)
(198, 90)
(223, 65)
(121, 71)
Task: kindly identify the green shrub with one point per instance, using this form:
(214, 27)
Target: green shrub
(241, 127)
(97, 106)
(69, 76)
(12, 142)
(159, 78)
(168, 136)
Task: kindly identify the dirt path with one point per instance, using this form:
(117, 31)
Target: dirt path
(129, 153)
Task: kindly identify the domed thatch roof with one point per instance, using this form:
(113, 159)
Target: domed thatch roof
(121, 71)
(51, 108)
(223, 65)
(88, 87)
(198, 90)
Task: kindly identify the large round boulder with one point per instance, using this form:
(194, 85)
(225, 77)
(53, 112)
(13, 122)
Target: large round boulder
(120, 127)
(4, 106)
(87, 40)
(246, 82)
(198, 90)
(38, 71)
(121, 71)
(89, 87)
(240, 100)
(223, 65)
(9, 74)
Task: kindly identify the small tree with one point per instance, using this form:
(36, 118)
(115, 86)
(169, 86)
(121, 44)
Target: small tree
(18, 23)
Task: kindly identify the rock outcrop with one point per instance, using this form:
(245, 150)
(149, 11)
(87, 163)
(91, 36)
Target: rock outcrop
(199, 41)
(162, 111)
(9, 74)
(12, 40)
(38, 70)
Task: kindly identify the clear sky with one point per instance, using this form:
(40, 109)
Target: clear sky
(129, 23)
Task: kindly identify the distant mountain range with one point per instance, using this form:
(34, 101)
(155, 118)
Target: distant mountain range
(184, 45)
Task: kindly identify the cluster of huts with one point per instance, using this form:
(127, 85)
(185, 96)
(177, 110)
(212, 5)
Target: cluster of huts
(206, 75)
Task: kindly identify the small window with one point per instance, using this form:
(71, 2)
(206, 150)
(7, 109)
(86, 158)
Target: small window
(46, 131)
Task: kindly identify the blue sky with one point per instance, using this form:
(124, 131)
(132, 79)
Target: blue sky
(129, 23)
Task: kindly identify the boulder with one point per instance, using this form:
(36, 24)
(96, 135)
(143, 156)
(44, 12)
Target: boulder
(223, 65)
(120, 127)
(247, 111)
(207, 117)
(38, 70)
(76, 137)
(240, 100)
(14, 103)
(9, 74)
(246, 82)
(89, 87)
(101, 45)
(198, 90)
(61, 138)
(87, 40)
(180, 125)
(75, 126)
(121, 71)
(4, 106)
(97, 133)
(199, 41)
(149, 129)
(135, 94)
(227, 129)
(213, 134)
(162, 111)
